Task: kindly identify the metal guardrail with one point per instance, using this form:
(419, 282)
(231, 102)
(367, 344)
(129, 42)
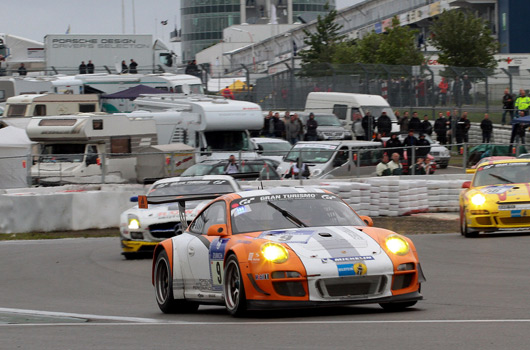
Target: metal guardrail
(28, 166)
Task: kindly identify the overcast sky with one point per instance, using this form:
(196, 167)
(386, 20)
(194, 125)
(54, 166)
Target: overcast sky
(33, 19)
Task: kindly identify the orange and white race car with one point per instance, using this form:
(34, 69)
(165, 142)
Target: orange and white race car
(284, 248)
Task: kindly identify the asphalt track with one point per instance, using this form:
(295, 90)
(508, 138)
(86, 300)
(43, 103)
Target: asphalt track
(81, 294)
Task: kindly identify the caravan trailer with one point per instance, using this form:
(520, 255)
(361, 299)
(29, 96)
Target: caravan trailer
(76, 148)
(13, 86)
(36, 105)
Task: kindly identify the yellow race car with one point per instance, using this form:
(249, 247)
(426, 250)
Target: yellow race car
(498, 198)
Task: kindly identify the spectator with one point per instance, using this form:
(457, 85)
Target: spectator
(192, 68)
(462, 129)
(429, 167)
(522, 103)
(507, 106)
(357, 126)
(451, 126)
(133, 67)
(384, 124)
(82, 68)
(487, 127)
(232, 167)
(426, 125)
(409, 142)
(227, 93)
(286, 121)
(124, 67)
(443, 86)
(404, 122)
(415, 122)
(298, 171)
(518, 130)
(457, 91)
(292, 130)
(424, 147)
(440, 128)
(22, 69)
(419, 167)
(311, 126)
(378, 138)
(382, 168)
(395, 166)
(268, 125)
(301, 125)
(279, 126)
(466, 82)
(90, 67)
(393, 145)
(368, 124)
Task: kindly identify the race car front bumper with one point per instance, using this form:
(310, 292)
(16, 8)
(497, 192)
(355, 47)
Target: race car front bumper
(130, 246)
(285, 304)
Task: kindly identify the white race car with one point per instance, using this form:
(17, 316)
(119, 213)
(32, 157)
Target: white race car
(141, 229)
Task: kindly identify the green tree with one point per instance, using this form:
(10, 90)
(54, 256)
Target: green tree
(321, 45)
(396, 46)
(463, 40)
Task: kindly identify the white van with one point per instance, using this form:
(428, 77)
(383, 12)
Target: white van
(38, 105)
(329, 159)
(346, 105)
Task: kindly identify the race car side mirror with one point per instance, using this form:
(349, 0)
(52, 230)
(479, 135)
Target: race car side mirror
(368, 220)
(466, 184)
(218, 230)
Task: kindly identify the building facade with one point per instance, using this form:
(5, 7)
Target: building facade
(203, 21)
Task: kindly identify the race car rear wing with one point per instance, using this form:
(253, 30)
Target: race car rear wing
(144, 201)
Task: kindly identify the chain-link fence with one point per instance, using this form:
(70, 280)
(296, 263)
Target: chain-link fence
(428, 88)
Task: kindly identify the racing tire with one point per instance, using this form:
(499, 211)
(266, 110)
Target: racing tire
(464, 230)
(444, 165)
(164, 289)
(397, 306)
(130, 256)
(233, 288)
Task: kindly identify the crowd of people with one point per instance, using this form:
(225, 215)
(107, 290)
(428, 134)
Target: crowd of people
(290, 127)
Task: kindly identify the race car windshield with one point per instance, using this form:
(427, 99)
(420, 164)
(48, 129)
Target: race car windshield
(503, 173)
(315, 212)
(182, 188)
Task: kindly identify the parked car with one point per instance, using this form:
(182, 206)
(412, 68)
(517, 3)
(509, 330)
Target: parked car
(271, 148)
(329, 127)
(263, 169)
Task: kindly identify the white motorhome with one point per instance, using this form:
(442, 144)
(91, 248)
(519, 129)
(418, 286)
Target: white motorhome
(13, 86)
(216, 127)
(75, 148)
(346, 105)
(111, 83)
(33, 105)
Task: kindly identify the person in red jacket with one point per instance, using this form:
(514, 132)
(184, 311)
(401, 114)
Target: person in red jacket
(227, 93)
(443, 86)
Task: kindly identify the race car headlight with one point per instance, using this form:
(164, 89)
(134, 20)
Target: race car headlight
(134, 224)
(478, 199)
(274, 252)
(397, 245)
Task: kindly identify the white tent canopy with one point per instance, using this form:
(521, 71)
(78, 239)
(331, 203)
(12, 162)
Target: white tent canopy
(15, 146)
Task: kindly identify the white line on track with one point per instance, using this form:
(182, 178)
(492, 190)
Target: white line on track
(82, 316)
(137, 321)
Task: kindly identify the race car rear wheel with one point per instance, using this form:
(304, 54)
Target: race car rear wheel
(234, 290)
(164, 289)
(397, 306)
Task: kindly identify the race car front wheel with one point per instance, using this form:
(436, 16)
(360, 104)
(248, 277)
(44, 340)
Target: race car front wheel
(164, 289)
(464, 230)
(234, 290)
